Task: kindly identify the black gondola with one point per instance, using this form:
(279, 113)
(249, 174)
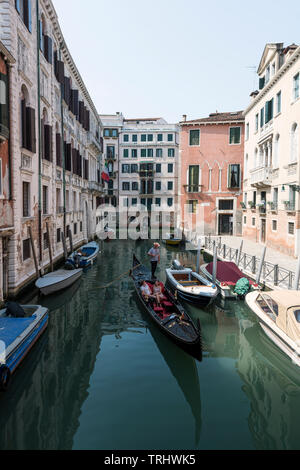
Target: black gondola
(171, 316)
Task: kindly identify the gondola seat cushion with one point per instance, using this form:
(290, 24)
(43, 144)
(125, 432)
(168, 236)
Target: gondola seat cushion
(158, 309)
(167, 303)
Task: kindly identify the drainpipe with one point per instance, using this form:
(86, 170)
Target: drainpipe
(10, 150)
(63, 151)
(39, 127)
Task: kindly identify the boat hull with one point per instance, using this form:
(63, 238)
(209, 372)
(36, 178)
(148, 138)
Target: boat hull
(282, 341)
(85, 261)
(198, 300)
(226, 292)
(60, 284)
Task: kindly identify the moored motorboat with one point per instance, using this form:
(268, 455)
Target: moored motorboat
(83, 257)
(58, 280)
(190, 286)
(278, 313)
(20, 328)
(170, 316)
(227, 276)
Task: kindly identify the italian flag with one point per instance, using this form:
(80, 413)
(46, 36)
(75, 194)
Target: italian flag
(105, 173)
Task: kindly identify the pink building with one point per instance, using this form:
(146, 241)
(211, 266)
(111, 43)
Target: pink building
(211, 154)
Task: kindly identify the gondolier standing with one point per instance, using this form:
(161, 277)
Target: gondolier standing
(154, 254)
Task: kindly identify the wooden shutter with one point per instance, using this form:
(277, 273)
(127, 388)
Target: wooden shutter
(48, 143)
(23, 124)
(30, 130)
(261, 83)
(74, 161)
(67, 90)
(75, 102)
(61, 72)
(17, 3)
(68, 157)
(48, 49)
(81, 112)
(58, 150)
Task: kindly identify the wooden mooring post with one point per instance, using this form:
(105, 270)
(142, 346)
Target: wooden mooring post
(33, 252)
(49, 246)
(64, 245)
(297, 275)
(261, 265)
(71, 240)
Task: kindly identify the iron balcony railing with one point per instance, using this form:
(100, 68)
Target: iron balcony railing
(192, 188)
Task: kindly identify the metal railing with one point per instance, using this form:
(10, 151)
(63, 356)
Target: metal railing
(272, 274)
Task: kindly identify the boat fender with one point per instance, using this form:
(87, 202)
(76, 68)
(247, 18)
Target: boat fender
(5, 375)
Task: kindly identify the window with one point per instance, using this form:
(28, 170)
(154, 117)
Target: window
(268, 306)
(125, 153)
(106, 133)
(170, 137)
(294, 143)
(58, 235)
(170, 168)
(245, 220)
(234, 176)
(170, 201)
(253, 221)
(143, 153)
(45, 200)
(159, 137)
(158, 201)
(125, 168)
(24, 9)
(269, 111)
(158, 185)
(276, 151)
(26, 199)
(134, 201)
(114, 133)
(159, 153)
(158, 168)
(171, 152)
(193, 182)
(195, 137)
(193, 205)
(134, 138)
(110, 151)
(291, 228)
(134, 168)
(170, 185)
(135, 186)
(296, 86)
(247, 131)
(256, 122)
(75, 229)
(262, 116)
(126, 138)
(150, 153)
(274, 225)
(150, 137)
(144, 138)
(278, 102)
(126, 186)
(134, 153)
(235, 135)
(26, 249)
(226, 205)
(45, 241)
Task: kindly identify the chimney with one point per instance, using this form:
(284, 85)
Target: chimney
(184, 117)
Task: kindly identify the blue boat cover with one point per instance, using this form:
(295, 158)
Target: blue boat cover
(11, 328)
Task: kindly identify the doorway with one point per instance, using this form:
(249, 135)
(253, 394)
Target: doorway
(263, 231)
(225, 224)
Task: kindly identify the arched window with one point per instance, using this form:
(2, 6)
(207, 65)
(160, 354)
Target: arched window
(27, 115)
(276, 151)
(294, 143)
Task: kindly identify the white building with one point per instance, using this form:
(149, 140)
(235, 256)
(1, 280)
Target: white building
(272, 173)
(55, 140)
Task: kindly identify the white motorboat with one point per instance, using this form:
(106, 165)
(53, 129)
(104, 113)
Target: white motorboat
(279, 316)
(58, 280)
(190, 286)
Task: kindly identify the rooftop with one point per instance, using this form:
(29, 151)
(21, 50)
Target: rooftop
(217, 117)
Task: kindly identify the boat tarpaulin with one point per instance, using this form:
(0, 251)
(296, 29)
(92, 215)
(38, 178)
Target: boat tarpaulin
(226, 272)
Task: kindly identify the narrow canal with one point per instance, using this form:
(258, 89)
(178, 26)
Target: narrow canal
(102, 377)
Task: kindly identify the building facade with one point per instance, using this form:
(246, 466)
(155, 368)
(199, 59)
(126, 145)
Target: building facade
(55, 141)
(271, 177)
(211, 160)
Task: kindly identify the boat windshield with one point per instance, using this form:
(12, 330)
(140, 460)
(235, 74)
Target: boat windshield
(268, 305)
(297, 315)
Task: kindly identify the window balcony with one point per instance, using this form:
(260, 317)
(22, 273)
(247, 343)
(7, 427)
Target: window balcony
(192, 188)
(261, 177)
(147, 173)
(95, 187)
(290, 206)
(273, 206)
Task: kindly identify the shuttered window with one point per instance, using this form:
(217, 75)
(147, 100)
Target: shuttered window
(269, 111)
(234, 176)
(48, 143)
(58, 150)
(235, 135)
(26, 199)
(195, 137)
(23, 7)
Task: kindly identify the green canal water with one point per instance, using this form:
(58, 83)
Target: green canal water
(103, 377)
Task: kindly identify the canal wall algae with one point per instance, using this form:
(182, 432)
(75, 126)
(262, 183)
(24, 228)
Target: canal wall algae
(103, 377)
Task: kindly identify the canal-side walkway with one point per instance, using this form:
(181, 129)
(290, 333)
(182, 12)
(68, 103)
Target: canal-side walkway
(278, 271)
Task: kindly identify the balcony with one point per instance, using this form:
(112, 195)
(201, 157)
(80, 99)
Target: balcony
(273, 206)
(261, 177)
(146, 173)
(262, 209)
(93, 142)
(290, 206)
(192, 188)
(113, 175)
(94, 186)
(111, 157)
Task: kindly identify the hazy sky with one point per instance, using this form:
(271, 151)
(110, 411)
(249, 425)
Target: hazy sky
(166, 58)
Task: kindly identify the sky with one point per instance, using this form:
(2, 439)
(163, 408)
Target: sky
(166, 58)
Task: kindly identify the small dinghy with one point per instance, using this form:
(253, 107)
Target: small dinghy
(170, 316)
(228, 279)
(83, 257)
(20, 328)
(58, 280)
(190, 286)
(278, 313)
(171, 240)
